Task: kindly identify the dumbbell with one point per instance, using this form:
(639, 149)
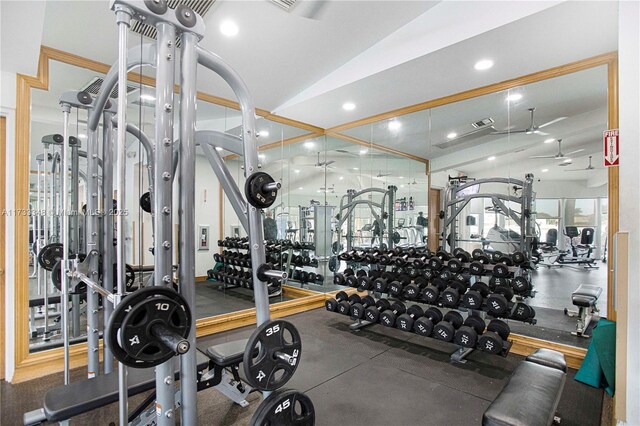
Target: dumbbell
(412, 291)
(473, 298)
(451, 295)
(365, 282)
(495, 256)
(388, 317)
(405, 321)
(381, 283)
(477, 266)
(493, 340)
(357, 309)
(344, 306)
(431, 293)
(372, 313)
(496, 281)
(436, 262)
(424, 325)
(421, 261)
(396, 287)
(519, 258)
(501, 269)
(520, 284)
(523, 312)
(462, 255)
(331, 304)
(498, 301)
(402, 259)
(352, 280)
(467, 335)
(340, 278)
(455, 265)
(445, 330)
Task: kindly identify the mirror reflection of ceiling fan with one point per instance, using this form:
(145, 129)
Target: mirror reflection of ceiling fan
(589, 167)
(380, 174)
(560, 155)
(533, 128)
(329, 189)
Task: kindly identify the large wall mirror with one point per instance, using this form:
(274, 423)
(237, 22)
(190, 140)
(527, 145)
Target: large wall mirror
(538, 144)
(39, 307)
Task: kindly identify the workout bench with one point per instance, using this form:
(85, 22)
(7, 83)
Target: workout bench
(532, 395)
(225, 357)
(585, 297)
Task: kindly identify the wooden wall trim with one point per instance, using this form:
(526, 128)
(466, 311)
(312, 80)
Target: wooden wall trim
(3, 173)
(613, 216)
(277, 144)
(583, 64)
(377, 147)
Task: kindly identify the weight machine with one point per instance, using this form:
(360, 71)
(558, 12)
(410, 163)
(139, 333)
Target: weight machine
(386, 206)
(462, 190)
(169, 326)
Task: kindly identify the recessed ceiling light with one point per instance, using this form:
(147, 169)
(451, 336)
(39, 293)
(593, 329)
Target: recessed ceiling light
(147, 97)
(348, 106)
(355, 168)
(493, 157)
(341, 177)
(483, 64)
(309, 144)
(229, 28)
(301, 188)
(400, 177)
(394, 124)
(82, 136)
(514, 97)
(549, 140)
(263, 133)
(452, 135)
(296, 171)
(401, 186)
(363, 151)
(218, 148)
(567, 160)
(262, 156)
(544, 170)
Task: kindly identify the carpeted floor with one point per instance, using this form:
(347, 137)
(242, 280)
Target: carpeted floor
(376, 376)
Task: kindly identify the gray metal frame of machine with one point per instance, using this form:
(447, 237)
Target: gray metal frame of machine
(454, 204)
(351, 198)
(162, 161)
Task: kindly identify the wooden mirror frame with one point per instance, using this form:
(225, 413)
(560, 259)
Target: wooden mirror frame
(524, 344)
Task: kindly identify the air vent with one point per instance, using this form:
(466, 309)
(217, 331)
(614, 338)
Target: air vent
(285, 4)
(482, 123)
(201, 7)
(94, 85)
(465, 138)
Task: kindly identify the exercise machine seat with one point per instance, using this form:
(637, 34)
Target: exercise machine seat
(549, 358)
(64, 402)
(586, 295)
(227, 354)
(552, 237)
(531, 397)
(586, 236)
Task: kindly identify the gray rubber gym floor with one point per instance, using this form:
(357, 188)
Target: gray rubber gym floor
(377, 376)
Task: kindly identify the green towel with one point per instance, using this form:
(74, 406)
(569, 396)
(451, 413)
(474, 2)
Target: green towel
(598, 368)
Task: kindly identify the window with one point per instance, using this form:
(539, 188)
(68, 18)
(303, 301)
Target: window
(580, 212)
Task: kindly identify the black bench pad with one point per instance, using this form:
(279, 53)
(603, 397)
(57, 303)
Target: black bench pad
(529, 399)
(227, 354)
(549, 358)
(64, 402)
(586, 295)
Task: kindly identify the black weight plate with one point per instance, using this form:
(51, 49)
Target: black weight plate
(415, 310)
(338, 279)
(352, 281)
(483, 259)
(145, 202)
(455, 265)
(444, 331)
(497, 304)
(121, 311)
(395, 288)
(404, 322)
(435, 263)
(423, 326)
(430, 294)
(412, 291)
(518, 258)
(506, 260)
(466, 337)
(496, 255)
(522, 312)
(463, 256)
(501, 271)
(434, 314)
(520, 284)
(262, 363)
(136, 339)
(454, 318)
(476, 268)
(256, 195)
(472, 300)
(331, 304)
(506, 291)
(490, 342)
(380, 285)
(285, 408)
(450, 297)
(457, 250)
(481, 288)
(49, 255)
(477, 253)
(476, 323)
(334, 264)
(343, 307)
(499, 327)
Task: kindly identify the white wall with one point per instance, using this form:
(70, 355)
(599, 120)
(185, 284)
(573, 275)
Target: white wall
(567, 189)
(629, 70)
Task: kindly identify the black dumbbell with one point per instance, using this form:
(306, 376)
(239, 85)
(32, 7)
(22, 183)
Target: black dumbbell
(406, 320)
(451, 295)
(462, 255)
(473, 298)
(412, 291)
(520, 284)
(519, 258)
(396, 287)
(493, 340)
(381, 283)
(437, 261)
(523, 312)
(340, 278)
(498, 301)
(357, 309)
(424, 325)
(477, 266)
(372, 313)
(496, 281)
(331, 304)
(467, 335)
(365, 282)
(431, 293)
(501, 269)
(421, 261)
(344, 306)
(388, 317)
(495, 256)
(352, 280)
(445, 330)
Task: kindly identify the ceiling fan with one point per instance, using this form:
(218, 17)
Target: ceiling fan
(380, 174)
(559, 155)
(532, 129)
(322, 163)
(589, 167)
(328, 189)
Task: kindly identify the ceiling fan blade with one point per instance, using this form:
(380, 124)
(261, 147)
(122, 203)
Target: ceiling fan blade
(538, 132)
(506, 132)
(549, 123)
(543, 156)
(574, 152)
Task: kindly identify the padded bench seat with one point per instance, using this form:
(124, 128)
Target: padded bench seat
(532, 395)
(586, 295)
(64, 402)
(227, 354)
